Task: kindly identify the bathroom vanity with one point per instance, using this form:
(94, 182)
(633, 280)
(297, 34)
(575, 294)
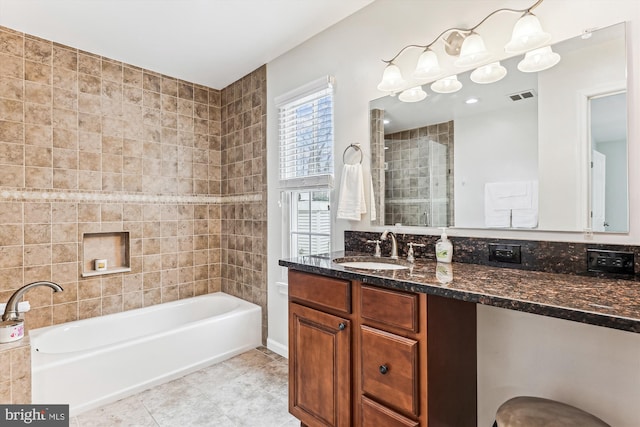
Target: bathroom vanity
(398, 347)
(366, 355)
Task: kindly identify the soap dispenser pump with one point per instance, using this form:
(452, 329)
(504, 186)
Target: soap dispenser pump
(444, 247)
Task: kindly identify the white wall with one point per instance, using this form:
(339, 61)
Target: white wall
(492, 147)
(561, 153)
(616, 193)
(351, 51)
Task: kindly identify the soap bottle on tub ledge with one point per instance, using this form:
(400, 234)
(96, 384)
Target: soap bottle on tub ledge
(444, 247)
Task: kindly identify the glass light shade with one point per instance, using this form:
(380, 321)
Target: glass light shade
(489, 73)
(392, 80)
(527, 34)
(428, 66)
(414, 94)
(447, 85)
(538, 60)
(473, 52)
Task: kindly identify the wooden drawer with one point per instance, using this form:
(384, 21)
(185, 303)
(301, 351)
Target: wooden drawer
(392, 308)
(390, 371)
(320, 291)
(376, 415)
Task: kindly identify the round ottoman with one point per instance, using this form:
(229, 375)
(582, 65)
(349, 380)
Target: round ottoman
(526, 411)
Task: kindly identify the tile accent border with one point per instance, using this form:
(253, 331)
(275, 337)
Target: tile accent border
(73, 196)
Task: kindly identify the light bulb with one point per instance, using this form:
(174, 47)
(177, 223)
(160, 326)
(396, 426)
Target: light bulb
(489, 73)
(527, 34)
(538, 60)
(428, 66)
(392, 80)
(414, 94)
(473, 52)
(447, 85)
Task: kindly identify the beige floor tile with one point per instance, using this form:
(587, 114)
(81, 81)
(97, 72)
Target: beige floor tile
(127, 412)
(247, 390)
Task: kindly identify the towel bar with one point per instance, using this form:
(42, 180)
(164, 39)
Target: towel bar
(355, 147)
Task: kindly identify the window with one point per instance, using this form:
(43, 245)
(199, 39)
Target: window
(310, 225)
(306, 165)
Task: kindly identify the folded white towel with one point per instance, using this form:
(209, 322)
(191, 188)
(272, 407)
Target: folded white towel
(509, 195)
(524, 218)
(527, 218)
(497, 218)
(511, 204)
(351, 202)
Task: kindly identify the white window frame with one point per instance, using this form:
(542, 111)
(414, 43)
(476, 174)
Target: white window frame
(310, 234)
(292, 186)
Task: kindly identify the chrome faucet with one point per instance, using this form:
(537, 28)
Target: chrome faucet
(11, 310)
(394, 243)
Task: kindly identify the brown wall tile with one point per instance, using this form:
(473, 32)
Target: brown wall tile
(90, 128)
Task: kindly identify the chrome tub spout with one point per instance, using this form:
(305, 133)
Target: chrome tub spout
(11, 310)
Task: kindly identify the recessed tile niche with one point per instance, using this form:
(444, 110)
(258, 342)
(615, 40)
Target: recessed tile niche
(110, 246)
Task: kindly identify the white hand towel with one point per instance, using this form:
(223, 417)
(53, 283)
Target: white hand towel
(497, 218)
(527, 218)
(495, 214)
(511, 204)
(351, 202)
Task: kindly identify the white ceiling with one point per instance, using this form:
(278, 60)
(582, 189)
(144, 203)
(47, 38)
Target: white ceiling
(210, 42)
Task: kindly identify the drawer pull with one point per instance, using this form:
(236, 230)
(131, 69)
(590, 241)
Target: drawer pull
(342, 326)
(383, 369)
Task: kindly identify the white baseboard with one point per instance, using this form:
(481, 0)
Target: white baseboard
(276, 347)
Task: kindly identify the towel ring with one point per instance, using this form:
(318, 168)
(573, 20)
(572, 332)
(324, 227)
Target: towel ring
(355, 147)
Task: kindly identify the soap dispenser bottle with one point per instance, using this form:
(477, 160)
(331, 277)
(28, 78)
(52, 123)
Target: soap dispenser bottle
(444, 247)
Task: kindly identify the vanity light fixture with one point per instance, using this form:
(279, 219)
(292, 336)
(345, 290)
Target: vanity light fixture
(469, 48)
(447, 85)
(489, 73)
(428, 66)
(473, 51)
(414, 94)
(527, 34)
(392, 80)
(538, 60)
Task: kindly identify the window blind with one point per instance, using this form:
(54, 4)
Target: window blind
(306, 135)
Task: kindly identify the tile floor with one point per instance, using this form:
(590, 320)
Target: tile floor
(246, 390)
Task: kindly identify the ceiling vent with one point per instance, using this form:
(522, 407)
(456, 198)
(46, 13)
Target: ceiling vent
(522, 95)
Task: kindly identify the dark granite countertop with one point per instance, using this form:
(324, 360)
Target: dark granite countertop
(611, 303)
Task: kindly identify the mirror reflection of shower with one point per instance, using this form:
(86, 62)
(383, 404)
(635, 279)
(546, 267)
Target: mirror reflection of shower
(418, 176)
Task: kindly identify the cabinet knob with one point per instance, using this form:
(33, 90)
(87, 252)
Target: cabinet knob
(383, 369)
(342, 326)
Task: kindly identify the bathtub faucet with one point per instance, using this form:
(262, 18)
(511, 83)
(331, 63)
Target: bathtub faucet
(11, 310)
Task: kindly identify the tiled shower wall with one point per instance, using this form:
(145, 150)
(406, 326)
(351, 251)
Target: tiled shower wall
(376, 130)
(89, 144)
(418, 176)
(244, 178)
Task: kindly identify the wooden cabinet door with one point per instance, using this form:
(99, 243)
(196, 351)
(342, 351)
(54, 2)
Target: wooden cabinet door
(319, 367)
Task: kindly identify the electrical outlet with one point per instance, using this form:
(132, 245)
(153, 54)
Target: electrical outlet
(610, 261)
(505, 253)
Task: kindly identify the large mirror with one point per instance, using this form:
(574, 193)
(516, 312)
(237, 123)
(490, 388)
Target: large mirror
(540, 151)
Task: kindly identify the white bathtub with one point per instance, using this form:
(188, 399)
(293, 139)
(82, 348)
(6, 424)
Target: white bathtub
(92, 362)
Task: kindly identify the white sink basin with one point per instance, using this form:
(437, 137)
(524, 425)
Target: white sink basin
(368, 265)
(371, 264)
